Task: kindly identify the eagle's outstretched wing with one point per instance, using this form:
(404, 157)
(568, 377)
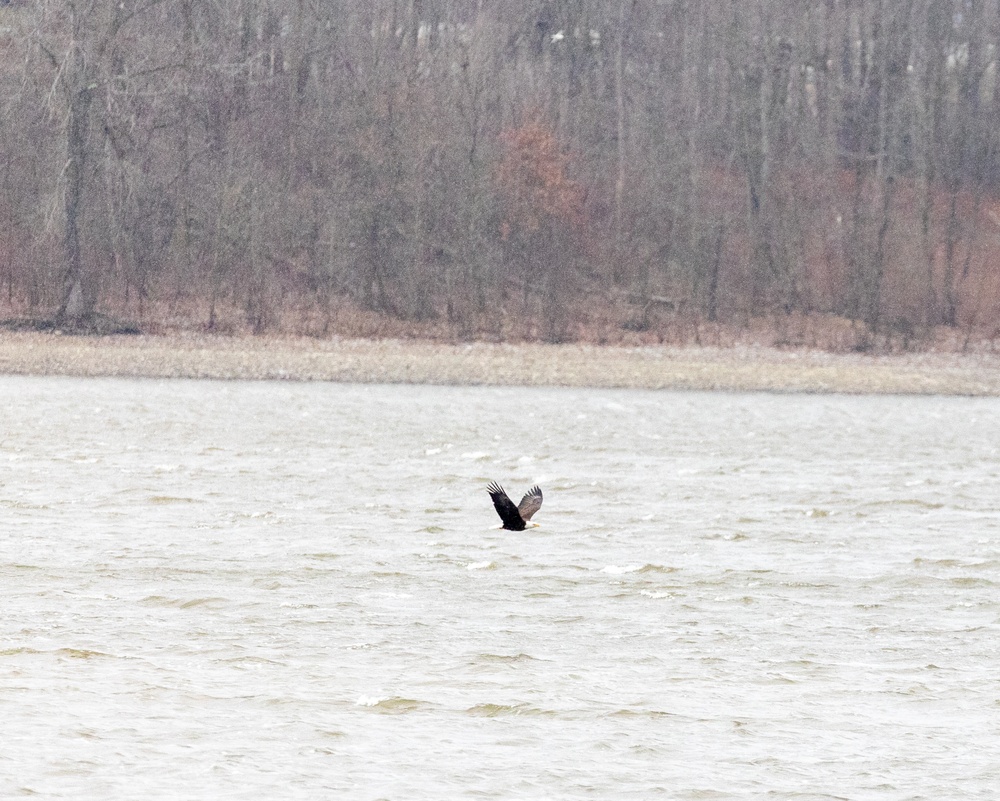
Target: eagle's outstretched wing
(505, 508)
(530, 503)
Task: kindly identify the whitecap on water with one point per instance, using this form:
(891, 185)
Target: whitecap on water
(369, 700)
(476, 455)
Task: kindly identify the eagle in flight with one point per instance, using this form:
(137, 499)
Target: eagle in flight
(515, 518)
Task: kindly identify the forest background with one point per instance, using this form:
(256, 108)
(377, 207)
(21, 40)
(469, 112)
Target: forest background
(809, 172)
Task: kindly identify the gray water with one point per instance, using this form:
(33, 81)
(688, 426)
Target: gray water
(271, 591)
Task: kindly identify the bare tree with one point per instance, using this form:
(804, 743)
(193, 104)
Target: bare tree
(83, 43)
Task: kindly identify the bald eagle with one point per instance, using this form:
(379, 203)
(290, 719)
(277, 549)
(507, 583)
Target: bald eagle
(515, 518)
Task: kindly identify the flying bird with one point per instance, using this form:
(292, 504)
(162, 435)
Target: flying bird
(515, 518)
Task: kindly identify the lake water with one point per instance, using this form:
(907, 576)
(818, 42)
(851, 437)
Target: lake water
(274, 591)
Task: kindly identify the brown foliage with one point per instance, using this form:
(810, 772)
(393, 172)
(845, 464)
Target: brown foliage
(534, 177)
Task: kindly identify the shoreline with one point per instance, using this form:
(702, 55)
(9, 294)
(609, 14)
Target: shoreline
(738, 369)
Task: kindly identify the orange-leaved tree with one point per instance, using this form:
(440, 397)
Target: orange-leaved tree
(543, 218)
(534, 176)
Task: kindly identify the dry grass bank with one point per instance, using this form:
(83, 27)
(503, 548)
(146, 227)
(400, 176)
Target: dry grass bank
(422, 362)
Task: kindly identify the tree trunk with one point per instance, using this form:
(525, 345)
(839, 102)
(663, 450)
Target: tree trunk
(79, 295)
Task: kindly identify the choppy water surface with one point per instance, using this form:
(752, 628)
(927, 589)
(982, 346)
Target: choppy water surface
(246, 590)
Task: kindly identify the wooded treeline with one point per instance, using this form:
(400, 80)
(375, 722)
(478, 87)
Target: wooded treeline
(506, 168)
